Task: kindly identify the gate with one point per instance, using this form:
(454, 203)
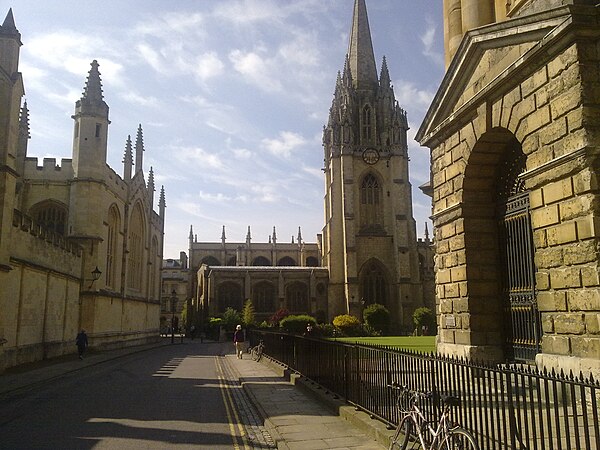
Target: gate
(522, 318)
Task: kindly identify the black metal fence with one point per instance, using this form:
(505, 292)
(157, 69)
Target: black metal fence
(505, 407)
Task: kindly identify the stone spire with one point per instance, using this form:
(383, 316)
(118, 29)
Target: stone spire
(92, 92)
(9, 27)
(24, 136)
(162, 204)
(191, 236)
(127, 160)
(384, 78)
(426, 233)
(24, 121)
(274, 236)
(151, 188)
(223, 236)
(360, 52)
(248, 237)
(299, 235)
(139, 149)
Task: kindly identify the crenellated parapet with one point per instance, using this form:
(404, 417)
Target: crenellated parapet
(49, 170)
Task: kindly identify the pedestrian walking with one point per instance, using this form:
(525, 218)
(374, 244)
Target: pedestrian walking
(238, 341)
(308, 332)
(82, 342)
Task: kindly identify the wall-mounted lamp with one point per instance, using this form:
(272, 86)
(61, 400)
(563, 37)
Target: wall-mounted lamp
(95, 276)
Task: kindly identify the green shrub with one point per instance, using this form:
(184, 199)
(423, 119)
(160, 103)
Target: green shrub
(248, 314)
(231, 318)
(297, 324)
(377, 319)
(347, 325)
(424, 317)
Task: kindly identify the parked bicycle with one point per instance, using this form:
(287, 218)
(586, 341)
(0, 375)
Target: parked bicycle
(416, 430)
(257, 351)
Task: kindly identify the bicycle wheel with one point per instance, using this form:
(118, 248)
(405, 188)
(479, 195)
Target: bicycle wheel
(401, 437)
(458, 439)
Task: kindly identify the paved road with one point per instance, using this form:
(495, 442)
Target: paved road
(179, 396)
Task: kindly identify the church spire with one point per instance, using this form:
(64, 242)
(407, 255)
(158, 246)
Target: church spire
(127, 160)
(139, 149)
(360, 52)
(8, 26)
(151, 188)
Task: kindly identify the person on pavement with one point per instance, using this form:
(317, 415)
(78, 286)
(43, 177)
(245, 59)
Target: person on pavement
(82, 342)
(238, 341)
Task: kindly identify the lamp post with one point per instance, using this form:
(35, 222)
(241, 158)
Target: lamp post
(173, 308)
(95, 276)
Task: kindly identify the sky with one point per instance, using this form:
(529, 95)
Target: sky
(232, 96)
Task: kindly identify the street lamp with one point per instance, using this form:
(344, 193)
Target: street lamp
(95, 276)
(173, 308)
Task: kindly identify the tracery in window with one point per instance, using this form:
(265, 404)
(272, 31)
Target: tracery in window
(264, 297)
(51, 215)
(297, 297)
(135, 247)
(371, 205)
(366, 124)
(114, 225)
(374, 285)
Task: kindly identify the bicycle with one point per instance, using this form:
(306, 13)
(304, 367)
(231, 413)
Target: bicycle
(414, 425)
(257, 351)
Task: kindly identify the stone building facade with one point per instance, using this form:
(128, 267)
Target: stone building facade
(174, 292)
(80, 245)
(514, 133)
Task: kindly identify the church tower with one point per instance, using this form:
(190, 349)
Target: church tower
(369, 237)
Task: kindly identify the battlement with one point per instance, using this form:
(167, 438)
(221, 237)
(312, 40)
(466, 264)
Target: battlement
(26, 224)
(49, 170)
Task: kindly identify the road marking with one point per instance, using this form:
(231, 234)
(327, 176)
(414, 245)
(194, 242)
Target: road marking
(230, 409)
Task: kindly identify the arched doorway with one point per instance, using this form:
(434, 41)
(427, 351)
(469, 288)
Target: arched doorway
(522, 333)
(374, 286)
(499, 252)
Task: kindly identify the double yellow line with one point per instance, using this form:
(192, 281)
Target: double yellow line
(239, 436)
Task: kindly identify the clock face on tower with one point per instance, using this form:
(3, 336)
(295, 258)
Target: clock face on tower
(370, 156)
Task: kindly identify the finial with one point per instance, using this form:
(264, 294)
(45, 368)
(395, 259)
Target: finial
(384, 78)
(128, 156)
(151, 180)
(299, 235)
(274, 236)
(223, 235)
(24, 120)
(191, 236)
(139, 149)
(426, 232)
(162, 203)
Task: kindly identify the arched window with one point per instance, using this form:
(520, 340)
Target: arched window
(136, 248)
(366, 124)
(112, 240)
(264, 297)
(371, 205)
(311, 261)
(297, 297)
(230, 296)
(51, 215)
(232, 261)
(286, 261)
(374, 285)
(261, 261)
(210, 261)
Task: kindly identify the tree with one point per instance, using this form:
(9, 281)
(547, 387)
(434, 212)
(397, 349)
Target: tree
(347, 324)
(248, 313)
(377, 318)
(231, 318)
(424, 317)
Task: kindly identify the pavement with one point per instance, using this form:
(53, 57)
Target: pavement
(295, 413)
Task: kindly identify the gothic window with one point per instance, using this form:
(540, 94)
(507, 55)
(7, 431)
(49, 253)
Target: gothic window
(98, 128)
(286, 261)
(230, 296)
(366, 124)
(136, 242)
(374, 286)
(51, 216)
(114, 225)
(264, 297)
(261, 261)
(210, 261)
(311, 261)
(297, 297)
(371, 205)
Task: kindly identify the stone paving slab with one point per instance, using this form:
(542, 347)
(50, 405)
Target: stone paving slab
(295, 419)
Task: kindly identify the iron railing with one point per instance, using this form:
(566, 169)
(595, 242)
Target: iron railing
(505, 406)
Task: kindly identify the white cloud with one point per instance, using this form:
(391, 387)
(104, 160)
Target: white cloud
(414, 100)
(242, 153)
(429, 39)
(208, 65)
(196, 157)
(256, 69)
(135, 98)
(287, 142)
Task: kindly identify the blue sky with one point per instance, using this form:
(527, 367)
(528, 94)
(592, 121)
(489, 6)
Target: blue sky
(232, 96)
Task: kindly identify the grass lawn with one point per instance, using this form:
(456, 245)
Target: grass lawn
(423, 344)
